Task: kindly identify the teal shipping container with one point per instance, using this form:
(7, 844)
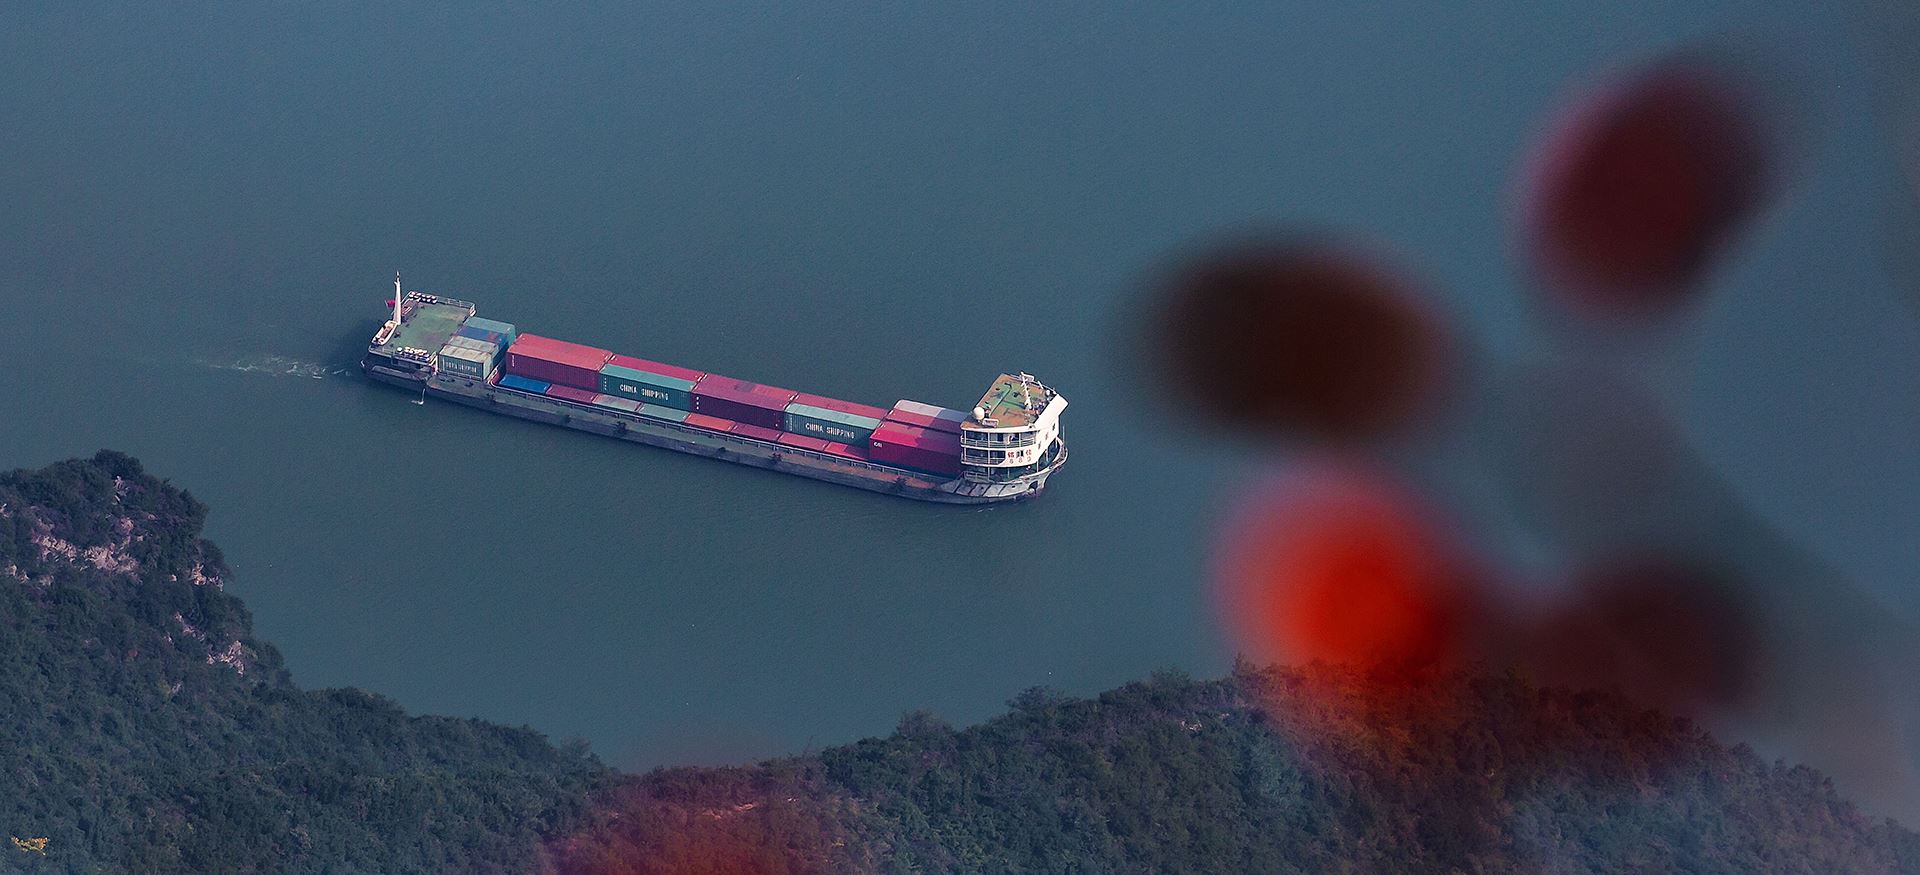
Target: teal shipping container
(505, 329)
(658, 389)
(833, 425)
(667, 413)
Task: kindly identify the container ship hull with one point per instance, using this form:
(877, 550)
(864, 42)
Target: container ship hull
(763, 448)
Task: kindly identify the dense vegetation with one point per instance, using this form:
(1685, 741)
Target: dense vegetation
(1265, 771)
(149, 732)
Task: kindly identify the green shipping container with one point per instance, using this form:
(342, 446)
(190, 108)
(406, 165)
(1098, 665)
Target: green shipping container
(667, 413)
(465, 361)
(505, 328)
(653, 389)
(833, 425)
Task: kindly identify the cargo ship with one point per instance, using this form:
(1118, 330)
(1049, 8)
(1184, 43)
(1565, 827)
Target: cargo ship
(1003, 449)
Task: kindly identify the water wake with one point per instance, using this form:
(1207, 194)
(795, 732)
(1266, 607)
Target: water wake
(279, 366)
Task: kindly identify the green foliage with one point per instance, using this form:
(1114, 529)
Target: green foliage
(131, 748)
(148, 731)
(1278, 771)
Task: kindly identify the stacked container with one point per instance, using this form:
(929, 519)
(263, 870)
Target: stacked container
(670, 414)
(910, 446)
(557, 362)
(756, 432)
(741, 401)
(504, 332)
(568, 393)
(805, 443)
(524, 384)
(928, 416)
(831, 418)
(710, 423)
(611, 403)
(624, 376)
(469, 357)
(856, 452)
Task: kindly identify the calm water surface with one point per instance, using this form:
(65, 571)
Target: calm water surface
(200, 214)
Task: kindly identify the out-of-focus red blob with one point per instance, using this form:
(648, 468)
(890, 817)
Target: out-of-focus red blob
(1298, 338)
(1638, 186)
(1342, 567)
(1668, 633)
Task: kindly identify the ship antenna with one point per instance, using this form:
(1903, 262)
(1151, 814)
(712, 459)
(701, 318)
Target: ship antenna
(396, 297)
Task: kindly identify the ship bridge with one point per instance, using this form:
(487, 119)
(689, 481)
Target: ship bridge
(1013, 433)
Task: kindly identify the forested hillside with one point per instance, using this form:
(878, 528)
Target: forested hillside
(148, 731)
(1265, 771)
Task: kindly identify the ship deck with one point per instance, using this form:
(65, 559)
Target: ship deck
(1005, 402)
(426, 326)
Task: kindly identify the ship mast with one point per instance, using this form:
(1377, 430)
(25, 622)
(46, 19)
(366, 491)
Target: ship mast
(396, 297)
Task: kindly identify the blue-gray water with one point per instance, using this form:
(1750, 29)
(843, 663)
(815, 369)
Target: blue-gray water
(199, 214)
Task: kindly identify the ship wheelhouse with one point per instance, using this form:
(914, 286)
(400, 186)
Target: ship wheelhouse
(1014, 432)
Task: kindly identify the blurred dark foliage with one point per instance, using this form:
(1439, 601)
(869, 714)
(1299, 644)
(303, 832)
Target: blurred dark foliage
(1297, 337)
(1668, 632)
(1642, 183)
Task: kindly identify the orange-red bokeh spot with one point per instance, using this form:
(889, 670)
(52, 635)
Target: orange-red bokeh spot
(1341, 568)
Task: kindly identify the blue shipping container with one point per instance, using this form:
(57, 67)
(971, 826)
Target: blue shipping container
(515, 381)
(482, 335)
(504, 329)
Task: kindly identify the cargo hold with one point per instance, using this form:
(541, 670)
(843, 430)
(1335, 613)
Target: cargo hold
(557, 361)
(493, 326)
(742, 401)
(514, 381)
(466, 361)
(845, 451)
(920, 415)
(711, 423)
(654, 383)
(756, 432)
(831, 423)
(913, 447)
(670, 414)
(611, 402)
(568, 393)
(823, 402)
(438, 347)
(805, 443)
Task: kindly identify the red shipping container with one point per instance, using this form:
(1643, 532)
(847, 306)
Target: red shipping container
(556, 361)
(741, 401)
(804, 442)
(921, 415)
(858, 454)
(826, 403)
(713, 423)
(756, 432)
(571, 394)
(664, 370)
(910, 446)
